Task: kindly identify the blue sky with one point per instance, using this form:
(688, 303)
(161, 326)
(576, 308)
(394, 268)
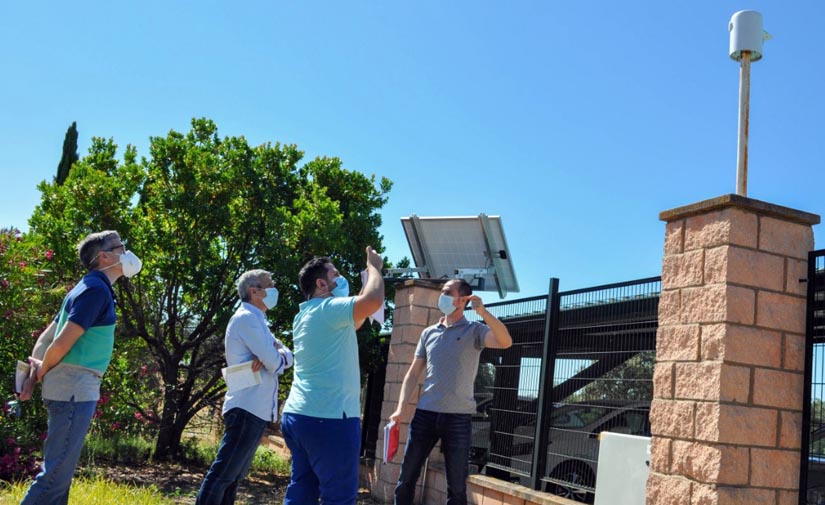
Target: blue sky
(577, 122)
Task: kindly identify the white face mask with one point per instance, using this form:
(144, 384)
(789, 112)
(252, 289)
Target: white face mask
(130, 263)
(445, 304)
(271, 298)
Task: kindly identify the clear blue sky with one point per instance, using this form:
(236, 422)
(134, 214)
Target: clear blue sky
(577, 122)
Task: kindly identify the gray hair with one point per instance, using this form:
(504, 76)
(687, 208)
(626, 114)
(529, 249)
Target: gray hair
(249, 279)
(90, 247)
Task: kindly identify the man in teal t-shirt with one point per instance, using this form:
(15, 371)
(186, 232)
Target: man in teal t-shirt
(70, 357)
(321, 418)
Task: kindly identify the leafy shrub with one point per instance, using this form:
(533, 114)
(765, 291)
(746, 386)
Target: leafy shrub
(269, 461)
(29, 297)
(123, 448)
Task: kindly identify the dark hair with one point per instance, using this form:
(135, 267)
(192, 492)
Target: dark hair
(91, 245)
(464, 288)
(315, 269)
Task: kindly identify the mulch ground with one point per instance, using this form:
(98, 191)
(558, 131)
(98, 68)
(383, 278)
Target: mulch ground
(182, 483)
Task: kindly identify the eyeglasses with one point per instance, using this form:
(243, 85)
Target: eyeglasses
(122, 246)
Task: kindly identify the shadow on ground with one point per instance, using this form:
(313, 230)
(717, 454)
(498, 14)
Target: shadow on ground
(182, 483)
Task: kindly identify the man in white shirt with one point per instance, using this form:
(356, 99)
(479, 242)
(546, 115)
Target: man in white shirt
(247, 411)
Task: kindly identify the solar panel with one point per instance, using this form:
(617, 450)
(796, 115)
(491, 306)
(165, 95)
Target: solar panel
(470, 247)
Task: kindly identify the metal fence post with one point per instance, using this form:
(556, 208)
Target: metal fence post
(545, 393)
(809, 353)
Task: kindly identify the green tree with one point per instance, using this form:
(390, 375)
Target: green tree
(69, 154)
(630, 380)
(200, 211)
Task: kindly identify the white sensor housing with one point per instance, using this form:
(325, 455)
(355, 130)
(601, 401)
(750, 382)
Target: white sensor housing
(746, 34)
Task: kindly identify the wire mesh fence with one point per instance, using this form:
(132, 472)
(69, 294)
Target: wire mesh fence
(812, 475)
(581, 363)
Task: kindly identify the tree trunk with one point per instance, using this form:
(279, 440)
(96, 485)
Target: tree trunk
(168, 442)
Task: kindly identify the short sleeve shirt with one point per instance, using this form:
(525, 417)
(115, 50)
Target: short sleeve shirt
(452, 354)
(327, 379)
(90, 305)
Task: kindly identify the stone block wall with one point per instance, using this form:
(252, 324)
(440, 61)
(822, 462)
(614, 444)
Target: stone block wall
(415, 309)
(728, 383)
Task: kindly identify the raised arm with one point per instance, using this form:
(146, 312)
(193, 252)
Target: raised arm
(360, 322)
(372, 296)
(499, 336)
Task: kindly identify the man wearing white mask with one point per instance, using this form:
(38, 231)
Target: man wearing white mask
(449, 352)
(70, 357)
(321, 422)
(247, 411)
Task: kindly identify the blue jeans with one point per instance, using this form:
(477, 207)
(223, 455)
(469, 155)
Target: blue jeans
(324, 459)
(455, 431)
(240, 440)
(68, 424)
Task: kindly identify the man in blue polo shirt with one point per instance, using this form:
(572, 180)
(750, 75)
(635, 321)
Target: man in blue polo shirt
(449, 352)
(321, 419)
(71, 356)
(246, 412)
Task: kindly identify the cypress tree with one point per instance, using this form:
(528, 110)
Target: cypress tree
(69, 154)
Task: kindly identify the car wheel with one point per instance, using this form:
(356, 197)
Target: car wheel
(575, 476)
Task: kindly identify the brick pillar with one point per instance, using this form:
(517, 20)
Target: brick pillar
(415, 309)
(726, 416)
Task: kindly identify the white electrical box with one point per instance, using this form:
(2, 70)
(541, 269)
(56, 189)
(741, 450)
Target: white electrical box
(624, 464)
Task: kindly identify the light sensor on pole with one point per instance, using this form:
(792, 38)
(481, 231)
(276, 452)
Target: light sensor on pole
(746, 38)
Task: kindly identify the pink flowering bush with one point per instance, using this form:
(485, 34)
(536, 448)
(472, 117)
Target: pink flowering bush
(28, 302)
(130, 396)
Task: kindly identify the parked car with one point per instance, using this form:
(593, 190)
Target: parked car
(573, 448)
(480, 445)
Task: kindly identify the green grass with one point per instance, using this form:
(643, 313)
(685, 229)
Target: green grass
(121, 449)
(265, 460)
(96, 491)
(88, 487)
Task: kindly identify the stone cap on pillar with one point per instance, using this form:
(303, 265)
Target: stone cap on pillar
(742, 203)
(401, 282)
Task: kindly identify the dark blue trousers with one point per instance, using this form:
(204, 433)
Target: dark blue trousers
(240, 440)
(426, 428)
(325, 454)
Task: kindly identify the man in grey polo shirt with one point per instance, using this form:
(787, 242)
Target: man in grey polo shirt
(449, 352)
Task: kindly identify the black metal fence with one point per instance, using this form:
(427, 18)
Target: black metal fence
(812, 474)
(372, 398)
(581, 363)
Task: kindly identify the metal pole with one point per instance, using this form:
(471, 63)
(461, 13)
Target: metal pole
(744, 112)
(545, 396)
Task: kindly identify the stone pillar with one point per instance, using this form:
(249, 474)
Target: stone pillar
(726, 416)
(415, 309)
